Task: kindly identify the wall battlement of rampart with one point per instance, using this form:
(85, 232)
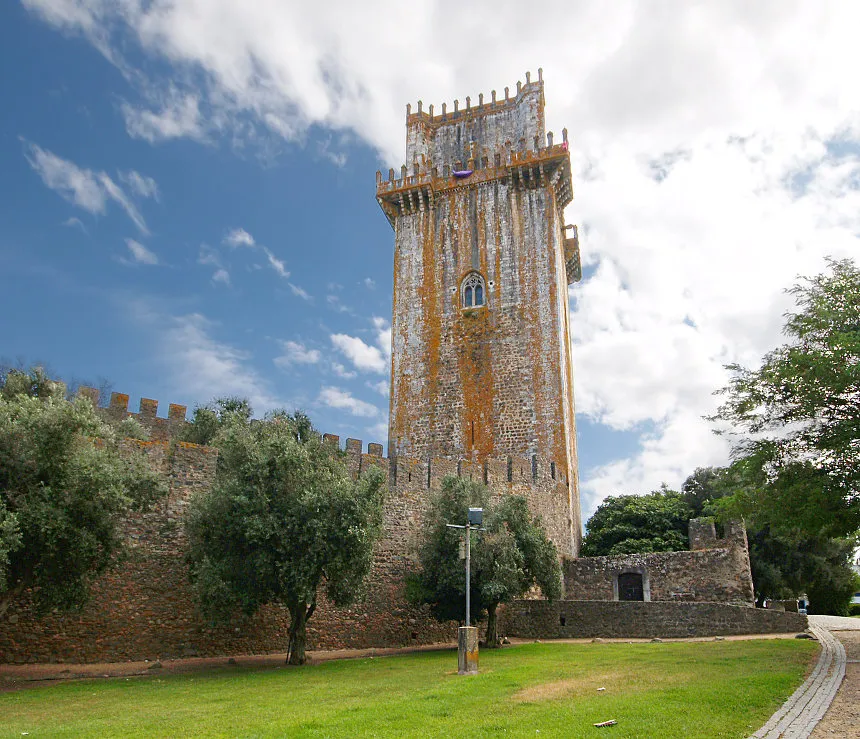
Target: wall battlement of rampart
(415, 474)
(494, 105)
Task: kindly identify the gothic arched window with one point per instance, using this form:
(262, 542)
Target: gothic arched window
(473, 291)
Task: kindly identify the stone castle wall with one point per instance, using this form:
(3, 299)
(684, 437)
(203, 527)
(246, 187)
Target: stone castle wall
(715, 570)
(144, 606)
(536, 619)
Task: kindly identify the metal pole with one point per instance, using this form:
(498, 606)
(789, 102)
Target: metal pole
(468, 571)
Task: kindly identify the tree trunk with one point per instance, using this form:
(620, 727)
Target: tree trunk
(299, 615)
(298, 635)
(492, 630)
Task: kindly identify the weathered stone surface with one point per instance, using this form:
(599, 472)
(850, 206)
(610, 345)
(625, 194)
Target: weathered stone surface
(718, 574)
(531, 619)
(467, 650)
(490, 384)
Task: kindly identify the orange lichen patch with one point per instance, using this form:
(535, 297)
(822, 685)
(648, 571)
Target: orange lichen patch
(429, 292)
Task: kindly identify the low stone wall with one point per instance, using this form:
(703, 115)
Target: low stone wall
(539, 619)
(716, 570)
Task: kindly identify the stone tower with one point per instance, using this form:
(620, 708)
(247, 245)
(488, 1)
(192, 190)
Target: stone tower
(481, 364)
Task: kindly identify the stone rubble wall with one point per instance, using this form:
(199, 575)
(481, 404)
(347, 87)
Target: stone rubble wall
(719, 573)
(144, 607)
(575, 619)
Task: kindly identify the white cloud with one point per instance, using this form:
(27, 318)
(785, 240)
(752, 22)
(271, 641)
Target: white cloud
(342, 371)
(297, 353)
(379, 431)
(277, 264)
(208, 257)
(140, 254)
(197, 360)
(300, 292)
(383, 387)
(83, 187)
(70, 222)
(141, 185)
(336, 304)
(179, 117)
(336, 398)
(383, 336)
(715, 156)
(364, 356)
(369, 283)
(239, 237)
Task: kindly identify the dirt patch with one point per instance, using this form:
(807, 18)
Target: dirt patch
(571, 686)
(587, 685)
(851, 641)
(843, 717)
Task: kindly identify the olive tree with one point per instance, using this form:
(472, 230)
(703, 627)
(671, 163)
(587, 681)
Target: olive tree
(282, 521)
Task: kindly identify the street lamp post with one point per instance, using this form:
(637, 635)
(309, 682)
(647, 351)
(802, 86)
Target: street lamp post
(467, 636)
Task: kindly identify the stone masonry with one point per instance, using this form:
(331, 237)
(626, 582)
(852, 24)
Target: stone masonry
(483, 193)
(716, 570)
(144, 607)
(480, 389)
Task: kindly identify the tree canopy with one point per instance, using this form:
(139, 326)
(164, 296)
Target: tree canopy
(627, 524)
(282, 520)
(64, 484)
(796, 419)
(511, 556)
(207, 420)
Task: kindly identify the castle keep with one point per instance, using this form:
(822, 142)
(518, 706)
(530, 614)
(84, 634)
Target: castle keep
(481, 387)
(481, 366)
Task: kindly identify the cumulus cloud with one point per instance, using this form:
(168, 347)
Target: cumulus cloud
(382, 387)
(365, 357)
(715, 155)
(342, 371)
(239, 237)
(297, 353)
(335, 397)
(222, 276)
(140, 254)
(83, 187)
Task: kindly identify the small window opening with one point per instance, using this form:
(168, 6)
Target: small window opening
(552, 469)
(473, 290)
(562, 621)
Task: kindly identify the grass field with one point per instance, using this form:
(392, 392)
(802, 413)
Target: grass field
(677, 689)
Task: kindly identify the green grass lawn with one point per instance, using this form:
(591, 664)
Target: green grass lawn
(681, 689)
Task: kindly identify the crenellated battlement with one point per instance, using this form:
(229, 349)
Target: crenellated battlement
(524, 166)
(159, 428)
(428, 473)
(493, 105)
(502, 139)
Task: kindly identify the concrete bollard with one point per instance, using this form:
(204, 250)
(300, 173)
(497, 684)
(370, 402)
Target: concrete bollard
(467, 650)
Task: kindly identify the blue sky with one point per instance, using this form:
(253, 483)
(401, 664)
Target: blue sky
(187, 197)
